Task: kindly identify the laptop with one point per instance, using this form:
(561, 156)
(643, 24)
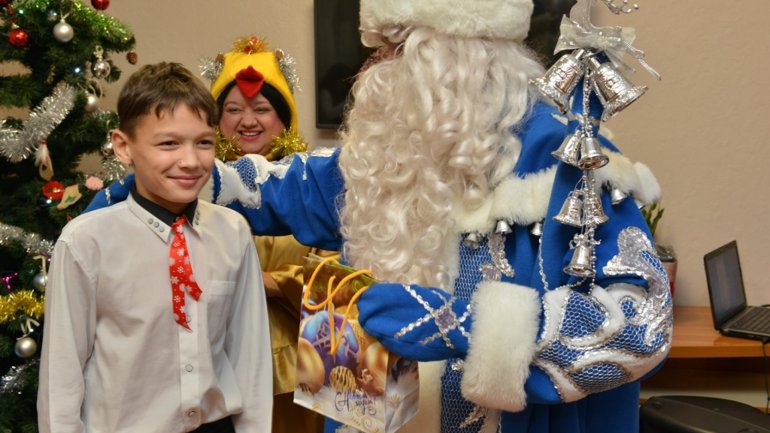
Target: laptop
(728, 297)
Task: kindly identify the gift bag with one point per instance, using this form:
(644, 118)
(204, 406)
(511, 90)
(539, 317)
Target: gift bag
(342, 372)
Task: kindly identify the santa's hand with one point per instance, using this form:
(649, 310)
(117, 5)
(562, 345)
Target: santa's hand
(420, 323)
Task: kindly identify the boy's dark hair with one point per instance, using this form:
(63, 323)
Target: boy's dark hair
(162, 86)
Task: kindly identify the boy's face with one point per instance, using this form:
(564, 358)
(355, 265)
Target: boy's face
(172, 156)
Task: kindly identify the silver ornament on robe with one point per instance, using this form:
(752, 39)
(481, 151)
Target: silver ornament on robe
(571, 212)
(591, 155)
(617, 195)
(593, 213)
(614, 90)
(582, 262)
(537, 229)
(569, 151)
(503, 227)
(471, 241)
(560, 80)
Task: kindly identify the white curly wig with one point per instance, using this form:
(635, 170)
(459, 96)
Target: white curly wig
(430, 131)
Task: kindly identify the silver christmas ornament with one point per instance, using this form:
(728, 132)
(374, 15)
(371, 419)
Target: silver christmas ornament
(63, 32)
(101, 69)
(560, 80)
(594, 213)
(581, 264)
(591, 155)
(571, 211)
(92, 103)
(569, 151)
(503, 227)
(471, 241)
(107, 148)
(617, 195)
(537, 229)
(25, 347)
(40, 281)
(614, 90)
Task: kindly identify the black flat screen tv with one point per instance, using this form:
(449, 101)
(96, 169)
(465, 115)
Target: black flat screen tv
(339, 53)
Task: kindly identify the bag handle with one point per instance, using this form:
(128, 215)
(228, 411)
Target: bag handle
(335, 342)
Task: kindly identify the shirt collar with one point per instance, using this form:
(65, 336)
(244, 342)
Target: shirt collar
(162, 213)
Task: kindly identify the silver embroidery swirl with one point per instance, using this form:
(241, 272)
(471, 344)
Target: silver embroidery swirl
(596, 341)
(499, 266)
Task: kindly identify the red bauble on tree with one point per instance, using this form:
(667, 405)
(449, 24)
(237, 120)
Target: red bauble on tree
(18, 37)
(99, 4)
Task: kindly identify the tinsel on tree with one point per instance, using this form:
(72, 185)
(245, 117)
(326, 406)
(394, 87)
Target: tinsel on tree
(58, 54)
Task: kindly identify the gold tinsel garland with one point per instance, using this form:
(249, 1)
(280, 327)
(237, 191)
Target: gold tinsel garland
(288, 142)
(22, 302)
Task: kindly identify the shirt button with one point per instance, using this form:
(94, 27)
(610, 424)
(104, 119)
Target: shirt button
(188, 318)
(191, 413)
(162, 229)
(150, 220)
(156, 224)
(188, 368)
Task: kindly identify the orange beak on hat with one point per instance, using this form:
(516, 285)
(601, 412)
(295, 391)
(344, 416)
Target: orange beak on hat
(249, 81)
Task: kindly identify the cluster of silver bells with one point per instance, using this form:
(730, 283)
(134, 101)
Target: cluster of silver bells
(581, 149)
(614, 90)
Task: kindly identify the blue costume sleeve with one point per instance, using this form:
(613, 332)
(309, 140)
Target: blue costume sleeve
(297, 195)
(116, 192)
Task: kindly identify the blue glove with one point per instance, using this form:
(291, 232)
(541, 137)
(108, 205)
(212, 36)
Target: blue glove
(420, 323)
(116, 192)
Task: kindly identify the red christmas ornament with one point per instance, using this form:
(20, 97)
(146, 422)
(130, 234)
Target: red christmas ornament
(18, 38)
(99, 5)
(53, 190)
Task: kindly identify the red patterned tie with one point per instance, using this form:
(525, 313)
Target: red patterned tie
(180, 271)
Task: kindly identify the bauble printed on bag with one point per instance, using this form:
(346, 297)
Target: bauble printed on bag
(342, 372)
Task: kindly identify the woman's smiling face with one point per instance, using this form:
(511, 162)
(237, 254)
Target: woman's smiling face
(253, 121)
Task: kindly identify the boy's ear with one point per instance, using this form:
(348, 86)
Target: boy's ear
(120, 146)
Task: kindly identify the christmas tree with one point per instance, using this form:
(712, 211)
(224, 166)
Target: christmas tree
(60, 50)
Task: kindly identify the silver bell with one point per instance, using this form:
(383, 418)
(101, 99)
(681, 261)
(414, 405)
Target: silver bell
(571, 211)
(581, 264)
(617, 196)
(560, 80)
(537, 229)
(569, 151)
(503, 227)
(471, 241)
(591, 155)
(614, 90)
(593, 211)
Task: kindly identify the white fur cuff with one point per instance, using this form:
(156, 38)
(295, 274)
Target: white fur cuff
(506, 19)
(506, 320)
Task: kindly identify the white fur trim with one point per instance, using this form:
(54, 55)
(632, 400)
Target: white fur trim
(525, 201)
(503, 341)
(520, 201)
(632, 178)
(506, 19)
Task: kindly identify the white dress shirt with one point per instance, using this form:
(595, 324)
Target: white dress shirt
(113, 358)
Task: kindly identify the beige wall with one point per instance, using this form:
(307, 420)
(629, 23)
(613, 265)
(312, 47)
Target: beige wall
(703, 129)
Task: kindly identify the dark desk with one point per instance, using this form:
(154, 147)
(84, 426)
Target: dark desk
(705, 363)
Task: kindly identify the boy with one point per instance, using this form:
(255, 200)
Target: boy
(172, 336)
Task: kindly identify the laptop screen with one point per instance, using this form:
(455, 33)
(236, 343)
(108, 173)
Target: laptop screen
(725, 282)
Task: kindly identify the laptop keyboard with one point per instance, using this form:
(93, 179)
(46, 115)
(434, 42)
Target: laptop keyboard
(757, 319)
